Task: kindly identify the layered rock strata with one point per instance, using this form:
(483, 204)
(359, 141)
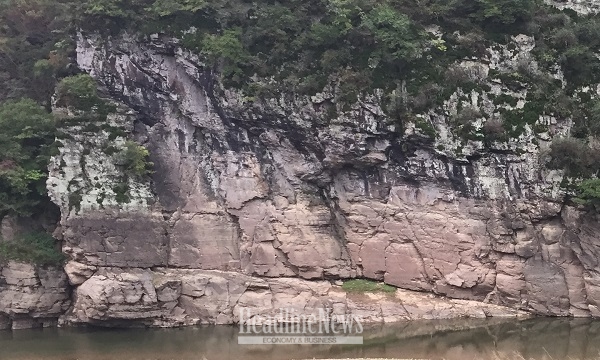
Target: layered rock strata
(262, 202)
(248, 191)
(32, 296)
(178, 297)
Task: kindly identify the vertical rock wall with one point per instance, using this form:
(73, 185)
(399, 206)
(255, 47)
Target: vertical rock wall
(257, 203)
(278, 188)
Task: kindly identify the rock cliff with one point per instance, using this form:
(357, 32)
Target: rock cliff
(260, 204)
(283, 189)
(32, 296)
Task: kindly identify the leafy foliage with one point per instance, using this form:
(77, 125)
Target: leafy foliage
(79, 91)
(227, 48)
(32, 50)
(588, 193)
(36, 247)
(394, 32)
(569, 41)
(134, 159)
(170, 7)
(26, 138)
(269, 47)
(504, 12)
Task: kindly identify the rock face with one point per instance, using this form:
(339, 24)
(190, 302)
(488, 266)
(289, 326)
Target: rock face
(175, 297)
(580, 6)
(257, 202)
(31, 296)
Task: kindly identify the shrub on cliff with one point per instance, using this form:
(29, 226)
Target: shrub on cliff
(490, 13)
(36, 247)
(227, 49)
(136, 9)
(493, 129)
(507, 12)
(79, 92)
(588, 193)
(575, 157)
(134, 159)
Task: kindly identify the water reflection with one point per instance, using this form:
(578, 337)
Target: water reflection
(452, 340)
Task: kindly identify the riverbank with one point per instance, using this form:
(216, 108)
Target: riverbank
(160, 297)
(482, 339)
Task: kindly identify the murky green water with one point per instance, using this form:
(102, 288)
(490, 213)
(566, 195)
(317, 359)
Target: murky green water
(461, 340)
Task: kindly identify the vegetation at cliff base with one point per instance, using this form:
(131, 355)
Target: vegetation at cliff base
(36, 247)
(367, 286)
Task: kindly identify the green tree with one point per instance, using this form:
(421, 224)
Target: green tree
(229, 50)
(134, 159)
(580, 65)
(79, 92)
(26, 136)
(394, 33)
(30, 31)
(170, 7)
(506, 12)
(588, 193)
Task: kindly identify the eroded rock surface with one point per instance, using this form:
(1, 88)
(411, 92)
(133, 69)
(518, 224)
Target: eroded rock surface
(32, 296)
(266, 201)
(175, 297)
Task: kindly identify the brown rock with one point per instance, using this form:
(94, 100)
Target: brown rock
(100, 239)
(404, 268)
(207, 241)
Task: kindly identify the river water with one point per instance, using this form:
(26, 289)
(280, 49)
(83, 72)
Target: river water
(558, 339)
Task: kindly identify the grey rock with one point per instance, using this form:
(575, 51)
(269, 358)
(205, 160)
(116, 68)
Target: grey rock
(174, 297)
(32, 296)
